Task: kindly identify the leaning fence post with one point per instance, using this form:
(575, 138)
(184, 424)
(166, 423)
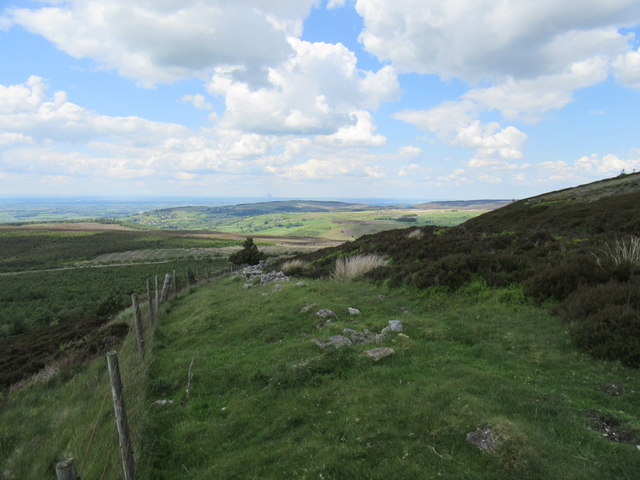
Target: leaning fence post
(120, 410)
(66, 470)
(165, 288)
(151, 312)
(138, 321)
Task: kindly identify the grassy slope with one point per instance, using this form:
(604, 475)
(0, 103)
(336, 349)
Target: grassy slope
(70, 414)
(474, 358)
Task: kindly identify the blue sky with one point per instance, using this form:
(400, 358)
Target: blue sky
(419, 99)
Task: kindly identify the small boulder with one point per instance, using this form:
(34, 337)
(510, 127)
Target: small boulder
(395, 326)
(483, 438)
(308, 307)
(325, 313)
(336, 341)
(379, 353)
(353, 311)
(302, 284)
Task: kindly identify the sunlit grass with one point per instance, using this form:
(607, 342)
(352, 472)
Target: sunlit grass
(355, 266)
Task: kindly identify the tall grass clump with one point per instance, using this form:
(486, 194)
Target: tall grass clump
(350, 268)
(622, 252)
(294, 266)
(416, 234)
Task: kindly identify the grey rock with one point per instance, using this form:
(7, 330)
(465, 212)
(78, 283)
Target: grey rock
(395, 325)
(302, 284)
(336, 341)
(247, 286)
(162, 403)
(353, 311)
(483, 438)
(379, 353)
(308, 307)
(325, 312)
(277, 287)
(322, 323)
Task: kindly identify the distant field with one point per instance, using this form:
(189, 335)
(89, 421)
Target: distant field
(338, 224)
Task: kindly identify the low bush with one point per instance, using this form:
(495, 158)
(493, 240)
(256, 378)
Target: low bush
(611, 333)
(559, 281)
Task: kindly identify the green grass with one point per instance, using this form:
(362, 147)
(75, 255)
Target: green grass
(473, 358)
(71, 415)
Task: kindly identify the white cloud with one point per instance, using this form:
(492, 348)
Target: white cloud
(608, 165)
(484, 39)
(335, 4)
(528, 99)
(7, 139)
(156, 42)
(454, 123)
(410, 151)
(317, 91)
(627, 69)
(409, 170)
(198, 101)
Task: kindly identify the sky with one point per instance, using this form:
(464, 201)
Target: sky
(420, 99)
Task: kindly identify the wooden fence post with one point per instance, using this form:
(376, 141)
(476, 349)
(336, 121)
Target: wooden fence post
(120, 410)
(138, 321)
(66, 470)
(165, 288)
(157, 305)
(152, 317)
(173, 285)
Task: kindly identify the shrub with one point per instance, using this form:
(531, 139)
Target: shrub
(559, 281)
(350, 268)
(611, 333)
(249, 255)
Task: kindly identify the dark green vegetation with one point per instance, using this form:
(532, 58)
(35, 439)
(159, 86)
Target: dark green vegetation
(249, 255)
(553, 245)
(266, 403)
(34, 249)
(54, 300)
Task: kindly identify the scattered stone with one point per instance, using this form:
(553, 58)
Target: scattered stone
(247, 286)
(395, 325)
(483, 438)
(306, 308)
(302, 284)
(162, 403)
(403, 335)
(405, 310)
(277, 287)
(353, 311)
(274, 276)
(325, 312)
(322, 323)
(613, 389)
(612, 428)
(337, 341)
(378, 353)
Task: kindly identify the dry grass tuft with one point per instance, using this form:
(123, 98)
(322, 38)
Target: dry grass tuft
(622, 252)
(416, 234)
(350, 268)
(293, 266)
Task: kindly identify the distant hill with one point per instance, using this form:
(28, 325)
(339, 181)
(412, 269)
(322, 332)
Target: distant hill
(466, 204)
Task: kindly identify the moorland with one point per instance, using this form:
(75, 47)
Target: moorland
(521, 324)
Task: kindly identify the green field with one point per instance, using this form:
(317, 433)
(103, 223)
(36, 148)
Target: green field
(335, 225)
